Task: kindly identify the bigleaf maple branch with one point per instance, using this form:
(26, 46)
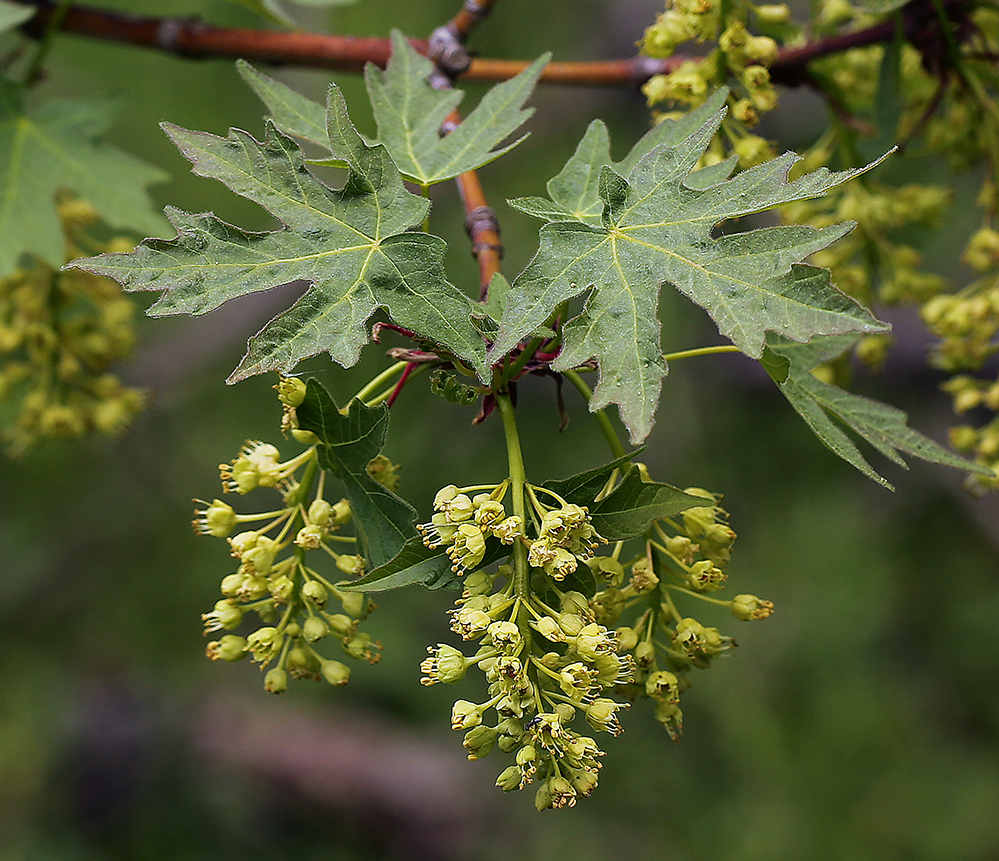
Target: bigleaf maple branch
(191, 38)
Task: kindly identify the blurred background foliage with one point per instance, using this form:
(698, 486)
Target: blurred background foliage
(860, 722)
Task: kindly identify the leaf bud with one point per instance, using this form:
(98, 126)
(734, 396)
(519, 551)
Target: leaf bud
(276, 681)
(335, 673)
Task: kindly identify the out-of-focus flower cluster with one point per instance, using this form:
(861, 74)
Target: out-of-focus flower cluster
(60, 332)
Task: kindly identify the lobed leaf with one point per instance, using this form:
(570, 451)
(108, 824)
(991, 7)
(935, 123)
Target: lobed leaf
(822, 405)
(353, 246)
(409, 113)
(621, 230)
(54, 148)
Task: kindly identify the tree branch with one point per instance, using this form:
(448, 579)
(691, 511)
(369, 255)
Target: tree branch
(191, 38)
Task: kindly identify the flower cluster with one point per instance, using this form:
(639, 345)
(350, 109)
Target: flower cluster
(276, 578)
(740, 59)
(548, 649)
(683, 558)
(60, 332)
(544, 667)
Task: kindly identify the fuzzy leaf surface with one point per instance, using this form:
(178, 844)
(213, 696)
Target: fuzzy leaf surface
(827, 409)
(352, 245)
(384, 521)
(58, 147)
(409, 112)
(627, 228)
(630, 509)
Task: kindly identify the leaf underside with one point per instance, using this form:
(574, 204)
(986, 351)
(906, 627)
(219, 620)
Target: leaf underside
(352, 245)
(827, 409)
(58, 148)
(621, 230)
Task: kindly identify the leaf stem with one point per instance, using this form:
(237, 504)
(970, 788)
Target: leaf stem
(601, 415)
(700, 351)
(518, 487)
(389, 373)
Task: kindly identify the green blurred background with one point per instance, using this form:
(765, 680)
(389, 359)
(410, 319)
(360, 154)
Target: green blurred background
(860, 722)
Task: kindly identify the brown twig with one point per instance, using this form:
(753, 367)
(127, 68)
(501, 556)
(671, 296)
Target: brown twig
(194, 39)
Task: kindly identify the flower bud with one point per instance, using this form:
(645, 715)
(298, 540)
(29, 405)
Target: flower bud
(291, 391)
(315, 592)
(479, 741)
(509, 779)
(335, 673)
(276, 681)
(465, 715)
(353, 565)
(315, 628)
(748, 607)
(217, 519)
(320, 512)
(229, 648)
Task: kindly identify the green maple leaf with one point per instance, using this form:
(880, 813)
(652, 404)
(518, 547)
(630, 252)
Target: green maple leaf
(350, 439)
(409, 113)
(353, 245)
(57, 147)
(622, 230)
(827, 409)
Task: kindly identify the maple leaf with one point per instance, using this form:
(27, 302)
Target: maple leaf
(624, 229)
(352, 245)
(409, 113)
(819, 403)
(56, 148)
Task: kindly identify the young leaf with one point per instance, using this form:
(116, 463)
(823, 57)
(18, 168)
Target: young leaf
(350, 441)
(409, 113)
(583, 487)
(414, 565)
(818, 403)
(56, 147)
(353, 246)
(629, 228)
(635, 503)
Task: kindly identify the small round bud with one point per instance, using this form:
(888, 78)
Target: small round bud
(276, 681)
(315, 628)
(335, 673)
(229, 648)
(291, 391)
(509, 779)
(320, 512)
(315, 592)
(749, 607)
